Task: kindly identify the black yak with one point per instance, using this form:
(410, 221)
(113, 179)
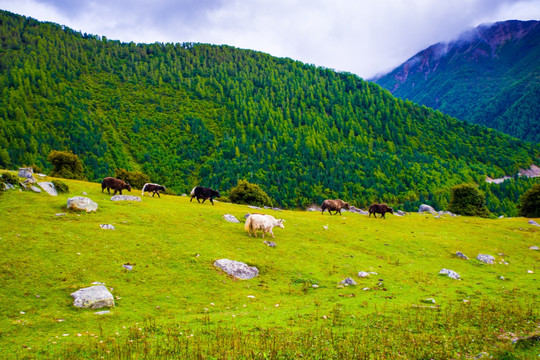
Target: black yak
(380, 209)
(334, 205)
(204, 193)
(115, 184)
(153, 188)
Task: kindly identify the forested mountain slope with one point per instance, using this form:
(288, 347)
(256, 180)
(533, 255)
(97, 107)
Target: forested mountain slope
(489, 76)
(196, 114)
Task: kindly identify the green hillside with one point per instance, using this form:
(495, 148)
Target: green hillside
(195, 114)
(174, 304)
(489, 76)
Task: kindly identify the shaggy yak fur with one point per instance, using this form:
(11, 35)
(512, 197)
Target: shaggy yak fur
(115, 184)
(380, 209)
(334, 205)
(265, 223)
(204, 193)
(153, 188)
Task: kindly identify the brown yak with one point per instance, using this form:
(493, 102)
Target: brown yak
(334, 205)
(115, 184)
(380, 209)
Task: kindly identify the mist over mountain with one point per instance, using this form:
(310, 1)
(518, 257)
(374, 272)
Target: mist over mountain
(490, 76)
(197, 114)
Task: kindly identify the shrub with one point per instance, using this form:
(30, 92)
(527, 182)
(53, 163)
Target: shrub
(66, 165)
(530, 202)
(60, 186)
(250, 194)
(467, 200)
(135, 178)
(10, 178)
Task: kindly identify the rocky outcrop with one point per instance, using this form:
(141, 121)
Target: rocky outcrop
(48, 187)
(450, 273)
(81, 203)
(93, 297)
(237, 269)
(230, 218)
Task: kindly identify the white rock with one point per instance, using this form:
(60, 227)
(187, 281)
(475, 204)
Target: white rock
(450, 273)
(230, 218)
(107, 226)
(125, 198)
(237, 269)
(530, 272)
(487, 259)
(80, 203)
(533, 248)
(48, 187)
(93, 297)
(363, 274)
(532, 222)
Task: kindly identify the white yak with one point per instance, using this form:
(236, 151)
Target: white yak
(262, 222)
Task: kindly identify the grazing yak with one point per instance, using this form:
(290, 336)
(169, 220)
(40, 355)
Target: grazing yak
(334, 205)
(380, 209)
(153, 188)
(204, 193)
(262, 222)
(115, 184)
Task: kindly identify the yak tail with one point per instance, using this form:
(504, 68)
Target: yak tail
(247, 227)
(192, 192)
(144, 187)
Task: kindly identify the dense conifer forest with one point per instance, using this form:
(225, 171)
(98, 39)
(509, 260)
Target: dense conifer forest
(196, 114)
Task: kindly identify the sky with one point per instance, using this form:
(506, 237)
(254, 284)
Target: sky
(363, 37)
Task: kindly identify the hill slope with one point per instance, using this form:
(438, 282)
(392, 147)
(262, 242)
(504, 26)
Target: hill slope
(174, 288)
(195, 114)
(489, 76)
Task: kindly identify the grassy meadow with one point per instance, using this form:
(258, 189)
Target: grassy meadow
(175, 304)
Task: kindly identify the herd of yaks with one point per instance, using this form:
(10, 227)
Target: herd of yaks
(254, 222)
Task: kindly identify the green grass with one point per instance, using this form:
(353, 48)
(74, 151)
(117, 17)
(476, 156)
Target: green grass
(175, 304)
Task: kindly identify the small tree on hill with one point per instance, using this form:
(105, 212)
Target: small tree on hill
(530, 202)
(250, 194)
(66, 165)
(468, 200)
(135, 178)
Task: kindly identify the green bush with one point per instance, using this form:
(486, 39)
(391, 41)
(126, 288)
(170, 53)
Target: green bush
(250, 194)
(134, 178)
(467, 200)
(60, 186)
(10, 178)
(530, 202)
(66, 165)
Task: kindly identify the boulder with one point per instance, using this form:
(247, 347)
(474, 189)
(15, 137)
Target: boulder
(532, 222)
(35, 189)
(450, 273)
(93, 297)
(348, 281)
(237, 269)
(426, 208)
(459, 254)
(80, 203)
(26, 173)
(230, 218)
(107, 227)
(125, 198)
(48, 187)
(486, 259)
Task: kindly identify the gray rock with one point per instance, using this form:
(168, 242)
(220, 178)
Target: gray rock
(532, 222)
(102, 312)
(93, 297)
(461, 255)
(450, 273)
(8, 186)
(127, 267)
(533, 248)
(48, 187)
(348, 281)
(80, 203)
(107, 226)
(230, 218)
(29, 181)
(270, 243)
(125, 198)
(487, 259)
(356, 210)
(237, 269)
(400, 213)
(426, 208)
(254, 207)
(35, 189)
(363, 274)
(26, 173)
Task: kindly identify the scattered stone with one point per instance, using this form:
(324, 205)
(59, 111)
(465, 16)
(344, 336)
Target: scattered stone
(348, 281)
(26, 173)
(325, 227)
(251, 296)
(365, 289)
(60, 214)
(98, 283)
(107, 226)
(363, 274)
(450, 273)
(532, 222)
(486, 259)
(426, 208)
(429, 301)
(501, 217)
(314, 286)
(270, 243)
(533, 248)
(125, 198)
(49, 188)
(80, 203)
(314, 208)
(459, 254)
(29, 181)
(442, 213)
(230, 218)
(93, 297)
(400, 213)
(530, 272)
(356, 210)
(237, 269)
(127, 267)
(102, 312)
(35, 189)
(254, 207)
(8, 186)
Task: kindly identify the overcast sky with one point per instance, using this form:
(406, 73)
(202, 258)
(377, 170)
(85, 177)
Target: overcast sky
(364, 37)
